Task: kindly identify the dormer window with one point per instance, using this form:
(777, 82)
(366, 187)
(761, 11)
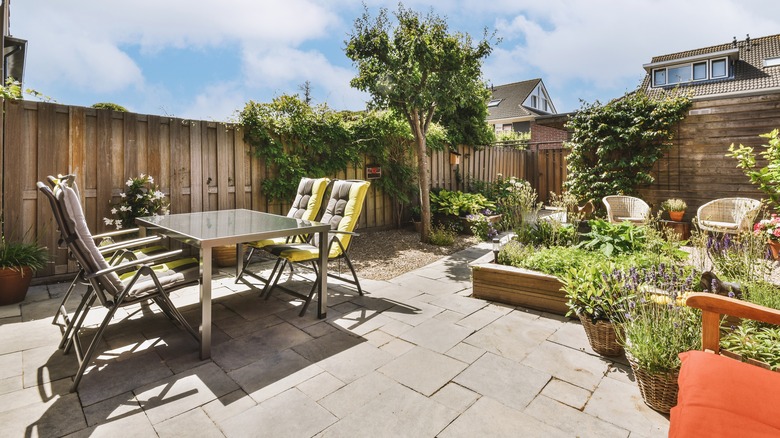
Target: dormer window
(691, 72)
(534, 99)
(494, 102)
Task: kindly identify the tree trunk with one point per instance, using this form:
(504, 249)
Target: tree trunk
(424, 179)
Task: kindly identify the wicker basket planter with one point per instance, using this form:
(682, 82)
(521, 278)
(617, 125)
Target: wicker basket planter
(659, 390)
(224, 255)
(602, 336)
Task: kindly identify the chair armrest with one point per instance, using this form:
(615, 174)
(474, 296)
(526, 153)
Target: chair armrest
(713, 306)
(132, 263)
(127, 244)
(351, 233)
(115, 233)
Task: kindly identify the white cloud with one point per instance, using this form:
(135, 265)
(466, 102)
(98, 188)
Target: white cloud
(217, 102)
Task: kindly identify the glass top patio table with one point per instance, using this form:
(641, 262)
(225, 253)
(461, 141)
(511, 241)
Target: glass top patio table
(207, 229)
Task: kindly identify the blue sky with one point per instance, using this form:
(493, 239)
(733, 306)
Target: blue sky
(205, 60)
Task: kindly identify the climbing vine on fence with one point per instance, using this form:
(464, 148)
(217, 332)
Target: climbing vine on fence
(614, 146)
(296, 139)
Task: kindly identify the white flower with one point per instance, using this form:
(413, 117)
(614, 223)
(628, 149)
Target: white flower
(108, 221)
(159, 195)
(118, 225)
(151, 180)
(113, 211)
(129, 182)
(124, 208)
(139, 196)
(122, 195)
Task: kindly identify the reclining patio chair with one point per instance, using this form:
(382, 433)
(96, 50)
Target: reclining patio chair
(147, 282)
(626, 208)
(307, 206)
(721, 396)
(728, 215)
(342, 213)
(113, 252)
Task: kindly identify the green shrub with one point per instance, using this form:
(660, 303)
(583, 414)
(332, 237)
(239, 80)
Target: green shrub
(754, 341)
(546, 232)
(614, 239)
(458, 203)
(597, 291)
(109, 106)
(442, 236)
(481, 227)
(17, 254)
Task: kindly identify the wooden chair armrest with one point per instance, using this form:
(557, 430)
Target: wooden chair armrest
(713, 306)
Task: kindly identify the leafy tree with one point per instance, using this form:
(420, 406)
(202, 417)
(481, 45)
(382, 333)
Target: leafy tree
(109, 106)
(614, 146)
(767, 178)
(417, 68)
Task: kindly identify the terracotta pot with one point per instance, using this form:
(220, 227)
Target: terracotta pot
(14, 284)
(774, 247)
(676, 216)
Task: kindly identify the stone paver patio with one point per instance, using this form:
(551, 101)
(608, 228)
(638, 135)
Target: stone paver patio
(416, 357)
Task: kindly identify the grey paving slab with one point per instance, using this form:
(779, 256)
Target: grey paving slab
(449, 316)
(396, 328)
(397, 347)
(323, 347)
(274, 374)
(457, 303)
(31, 396)
(361, 321)
(465, 352)
(514, 335)
(397, 412)
(44, 364)
(319, 329)
(291, 414)
(26, 335)
(484, 316)
(488, 417)
(621, 404)
(502, 379)
(321, 385)
(39, 310)
(112, 409)
(413, 312)
(456, 397)
(238, 326)
(108, 379)
(355, 362)
(189, 424)
(423, 370)
(11, 365)
(437, 335)
(572, 421)
(358, 393)
(55, 416)
(378, 338)
(136, 425)
(567, 364)
(572, 335)
(242, 351)
(229, 405)
(567, 393)
(175, 395)
(11, 311)
(11, 384)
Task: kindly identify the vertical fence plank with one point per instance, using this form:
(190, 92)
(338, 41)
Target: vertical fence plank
(223, 167)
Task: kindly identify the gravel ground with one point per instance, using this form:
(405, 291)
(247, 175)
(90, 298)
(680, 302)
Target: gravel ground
(382, 255)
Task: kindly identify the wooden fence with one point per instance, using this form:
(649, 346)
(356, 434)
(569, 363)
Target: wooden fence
(200, 165)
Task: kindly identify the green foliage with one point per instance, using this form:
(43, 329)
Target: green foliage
(546, 232)
(109, 106)
(514, 199)
(442, 235)
(14, 255)
(613, 239)
(481, 227)
(141, 198)
(596, 291)
(457, 203)
(739, 258)
(614, 146)
(657, 326)
(12, 90)
(753, 341)
(766, 178)
(513, 139)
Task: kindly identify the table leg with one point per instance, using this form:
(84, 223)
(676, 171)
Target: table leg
(205, 302)
(239, 258)
(322, 287)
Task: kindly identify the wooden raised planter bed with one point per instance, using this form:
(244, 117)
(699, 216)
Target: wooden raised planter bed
(516, 286)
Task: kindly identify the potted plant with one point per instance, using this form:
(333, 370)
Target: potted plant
(18, 261)
(676, 208)
(416, 214)
(596, 294)
(770, 228)
(657, 328)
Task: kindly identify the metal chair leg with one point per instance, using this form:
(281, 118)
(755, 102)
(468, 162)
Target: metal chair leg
(245, 263)
(273, 279)
(354, 274)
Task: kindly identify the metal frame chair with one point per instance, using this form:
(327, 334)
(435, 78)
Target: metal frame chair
(626, 208)
(307, 205)
(147, 282)
(342, 213)
(728, 215)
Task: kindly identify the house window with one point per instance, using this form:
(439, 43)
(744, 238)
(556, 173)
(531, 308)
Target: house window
(494, 102)
(700, 71)
(771, 62)
(533, 101)
(544, 104)
(659, 77)
(697, 71)
(718, 68)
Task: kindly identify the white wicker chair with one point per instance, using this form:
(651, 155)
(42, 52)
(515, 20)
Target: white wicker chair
(728, 215)
(626, 208)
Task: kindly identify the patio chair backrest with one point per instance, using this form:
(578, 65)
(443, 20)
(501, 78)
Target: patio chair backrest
(343, 210)
(309, 198)
(739, 211)
(80, 241)
(619, 206)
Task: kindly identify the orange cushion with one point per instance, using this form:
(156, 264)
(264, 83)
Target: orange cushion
(720, 396)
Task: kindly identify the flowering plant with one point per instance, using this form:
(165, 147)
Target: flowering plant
(141, 198)
(481, 226)
(769, 228)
